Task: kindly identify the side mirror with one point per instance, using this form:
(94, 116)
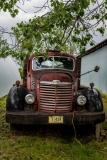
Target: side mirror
(96, 69)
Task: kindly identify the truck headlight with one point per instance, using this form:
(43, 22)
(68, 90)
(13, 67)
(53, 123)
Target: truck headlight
(29, 99)
(81, 100)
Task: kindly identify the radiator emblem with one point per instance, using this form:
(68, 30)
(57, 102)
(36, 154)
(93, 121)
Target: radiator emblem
(56, 81)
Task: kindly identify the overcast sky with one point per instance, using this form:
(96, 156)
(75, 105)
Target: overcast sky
(6, 21)
(29, 6)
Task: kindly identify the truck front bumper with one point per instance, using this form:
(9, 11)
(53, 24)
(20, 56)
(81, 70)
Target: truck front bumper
(35, 118)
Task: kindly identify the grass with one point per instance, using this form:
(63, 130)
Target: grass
(104, 98)
(104, 125)
(50, 142)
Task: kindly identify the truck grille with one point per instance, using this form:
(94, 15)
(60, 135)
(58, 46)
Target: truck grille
(55, 97)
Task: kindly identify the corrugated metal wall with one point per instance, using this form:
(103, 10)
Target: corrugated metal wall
(99, 58)
(8, 75)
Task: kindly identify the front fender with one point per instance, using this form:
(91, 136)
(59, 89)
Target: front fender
(94, 99)
(16, 98)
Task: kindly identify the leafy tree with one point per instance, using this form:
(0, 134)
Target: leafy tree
(3, 48)
(67, 21)
(9, 6)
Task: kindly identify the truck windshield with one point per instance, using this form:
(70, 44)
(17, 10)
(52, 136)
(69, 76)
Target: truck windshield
(53, 62)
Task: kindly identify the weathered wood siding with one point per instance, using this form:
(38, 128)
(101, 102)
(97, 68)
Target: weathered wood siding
(99, 58)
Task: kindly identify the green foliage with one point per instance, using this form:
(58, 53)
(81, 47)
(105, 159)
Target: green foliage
(67, 22)
(4, 48)
(9, 6)
(21, 72)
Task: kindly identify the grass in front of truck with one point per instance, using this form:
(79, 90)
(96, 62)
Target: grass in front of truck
(53, 142)
(104, 98)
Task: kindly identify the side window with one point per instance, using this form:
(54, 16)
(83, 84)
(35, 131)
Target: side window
(34, 64)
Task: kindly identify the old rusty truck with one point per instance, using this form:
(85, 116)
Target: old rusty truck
(51, 93)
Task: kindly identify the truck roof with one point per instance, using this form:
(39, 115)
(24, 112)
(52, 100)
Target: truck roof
(54, 53)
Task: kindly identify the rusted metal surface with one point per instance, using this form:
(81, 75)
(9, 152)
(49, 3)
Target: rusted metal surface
(56, 92)
(55, 98)
(41, 118)
(53, 76)
(75, 72)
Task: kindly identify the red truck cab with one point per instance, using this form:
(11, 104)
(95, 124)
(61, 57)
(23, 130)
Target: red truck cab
(51, 93)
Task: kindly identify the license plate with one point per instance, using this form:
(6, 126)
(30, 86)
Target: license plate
(55, 119)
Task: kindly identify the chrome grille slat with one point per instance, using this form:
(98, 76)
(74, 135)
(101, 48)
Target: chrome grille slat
(48, 104)
(63, 103)
(55, 97)
(67, 108)
(67, 98)
(49, 100)
(42, 95)
(53, 104)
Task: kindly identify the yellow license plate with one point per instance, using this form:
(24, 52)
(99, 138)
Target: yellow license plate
(55, 119)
